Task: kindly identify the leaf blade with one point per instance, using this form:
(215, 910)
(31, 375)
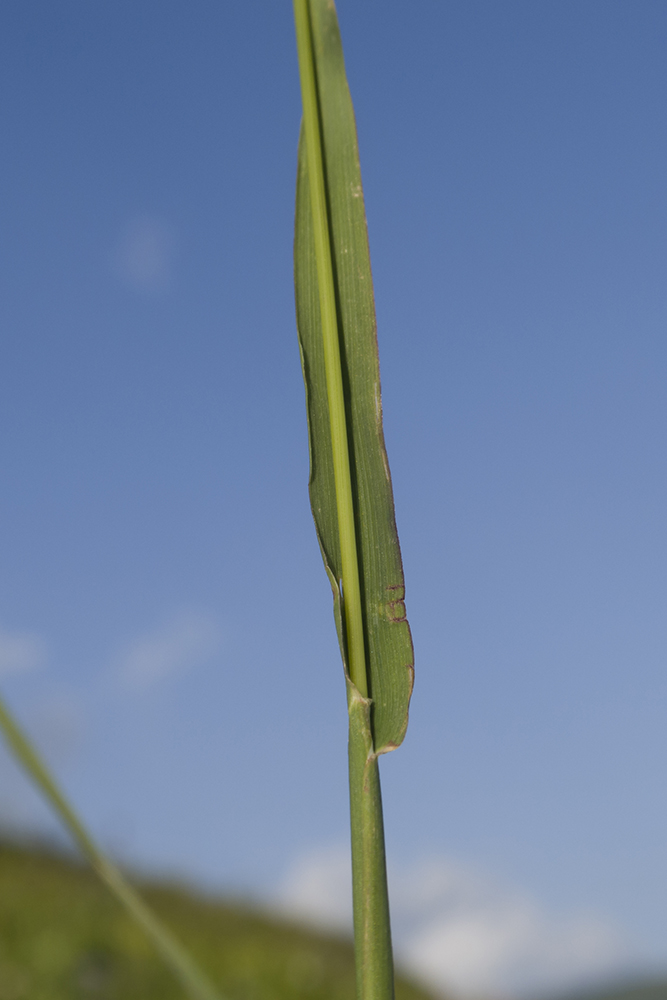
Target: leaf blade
(389, 654)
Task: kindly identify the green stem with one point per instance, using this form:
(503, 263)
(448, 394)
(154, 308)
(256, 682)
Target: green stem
(372, 929)
(372, 934)
(194, 981)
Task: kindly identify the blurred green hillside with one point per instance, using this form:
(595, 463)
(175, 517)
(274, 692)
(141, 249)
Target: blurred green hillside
(62, 937)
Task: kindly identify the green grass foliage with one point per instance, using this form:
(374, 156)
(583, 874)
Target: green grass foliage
(64, 937)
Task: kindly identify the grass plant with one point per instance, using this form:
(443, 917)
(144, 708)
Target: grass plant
(350, 484)
(351, 498)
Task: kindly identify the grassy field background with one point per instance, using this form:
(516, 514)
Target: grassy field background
(63, 937)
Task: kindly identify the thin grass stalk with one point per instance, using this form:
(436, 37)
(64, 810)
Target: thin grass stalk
(372, 935)
(174, 954)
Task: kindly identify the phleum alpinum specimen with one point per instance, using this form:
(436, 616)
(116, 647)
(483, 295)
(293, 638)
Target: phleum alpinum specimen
(350, 485)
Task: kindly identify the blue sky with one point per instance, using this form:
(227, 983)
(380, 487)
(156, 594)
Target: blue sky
(166, 621)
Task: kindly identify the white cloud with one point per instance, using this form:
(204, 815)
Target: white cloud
(189, 639)
(464, 934)
(474, 936)
(318, 887)
(145, 254)
(20, 652)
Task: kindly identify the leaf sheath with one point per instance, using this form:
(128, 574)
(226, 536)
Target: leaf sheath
(388, 645)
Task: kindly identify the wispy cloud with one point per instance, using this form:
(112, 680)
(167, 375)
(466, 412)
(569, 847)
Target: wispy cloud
(145, 253)
(318, 886)
(20, 652)
(187, 640)
(475, 936)
(464, 934)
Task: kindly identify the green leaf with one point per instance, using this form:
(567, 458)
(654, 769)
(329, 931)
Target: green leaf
(389, 654)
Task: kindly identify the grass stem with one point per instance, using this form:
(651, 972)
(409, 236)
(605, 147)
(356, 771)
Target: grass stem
(372, 933)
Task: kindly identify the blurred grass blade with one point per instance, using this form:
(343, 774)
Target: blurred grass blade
(350, 486)
(173, 953)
